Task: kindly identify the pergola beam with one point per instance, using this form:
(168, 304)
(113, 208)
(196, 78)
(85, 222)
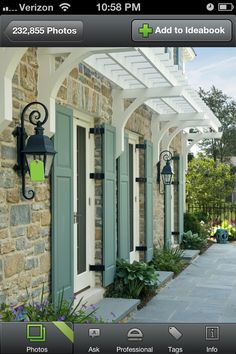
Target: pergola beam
(154, 92)
(180, 117)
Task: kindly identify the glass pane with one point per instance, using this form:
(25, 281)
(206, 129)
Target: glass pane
(81, 200)
(131, 195)
(48, 164)
(30, 158)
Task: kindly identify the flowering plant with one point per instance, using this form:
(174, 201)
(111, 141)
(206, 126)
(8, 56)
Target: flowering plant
(45, 310)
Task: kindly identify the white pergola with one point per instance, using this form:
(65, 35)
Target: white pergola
(149, 76)
(144, 75)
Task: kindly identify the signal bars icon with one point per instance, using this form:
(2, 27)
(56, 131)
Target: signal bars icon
(65, 6)
(6, 9)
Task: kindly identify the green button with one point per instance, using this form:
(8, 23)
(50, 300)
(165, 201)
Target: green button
(145, 30)
(36, 333)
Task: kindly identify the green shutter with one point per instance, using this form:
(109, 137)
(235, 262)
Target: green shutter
(123, 203)
(109, 204)
(62, 206)
(167, 208)
(148, 201)
(180, 198)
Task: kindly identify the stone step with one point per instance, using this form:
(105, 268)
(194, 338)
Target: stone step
(116, 309)
(89, 296)
(189, 255)
(164, 277)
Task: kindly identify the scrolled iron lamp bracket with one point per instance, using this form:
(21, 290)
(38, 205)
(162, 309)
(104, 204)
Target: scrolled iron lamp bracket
(37, 144)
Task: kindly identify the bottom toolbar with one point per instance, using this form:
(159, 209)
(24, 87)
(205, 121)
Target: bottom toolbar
(67, 338)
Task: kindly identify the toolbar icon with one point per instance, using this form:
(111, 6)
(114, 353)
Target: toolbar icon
(94, 332)
(135, 334)
(174, 332)
(213, 333)
(36, 332)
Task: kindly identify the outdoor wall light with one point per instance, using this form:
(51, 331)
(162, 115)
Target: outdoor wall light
(35, 154)
(166, 172)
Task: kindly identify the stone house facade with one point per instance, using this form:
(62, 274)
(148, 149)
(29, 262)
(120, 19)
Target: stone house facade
(79, 222)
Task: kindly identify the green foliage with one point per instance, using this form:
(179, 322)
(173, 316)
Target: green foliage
(168, 259)
(46, 311)
(225, 110)
(208, 181)
(133, 281)
(193, 241)
(191, 222)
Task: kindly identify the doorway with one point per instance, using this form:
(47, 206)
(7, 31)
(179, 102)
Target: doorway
(83, 206)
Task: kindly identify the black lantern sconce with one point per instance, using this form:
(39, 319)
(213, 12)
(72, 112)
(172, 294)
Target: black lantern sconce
(166, 174)
(35, 154)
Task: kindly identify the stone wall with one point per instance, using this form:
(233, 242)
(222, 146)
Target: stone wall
(24, 225)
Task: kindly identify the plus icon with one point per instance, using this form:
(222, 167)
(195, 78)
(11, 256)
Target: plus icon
(145, 30)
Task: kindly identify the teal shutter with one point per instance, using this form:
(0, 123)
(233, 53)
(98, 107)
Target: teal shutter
(167, 208)
(123, 231)
(62, 206)
(148, 201)
(109, 204)
(180, 198)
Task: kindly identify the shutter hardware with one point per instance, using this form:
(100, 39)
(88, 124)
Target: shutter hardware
(96, 175)
(175, 233)
(96, 130)
(97, 267)
(140, 146)
(141, 179)
(141, 248)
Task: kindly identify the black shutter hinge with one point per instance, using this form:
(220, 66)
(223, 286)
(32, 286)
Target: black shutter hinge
(96, 130)
(96, 175)
(141, 248)
(175, 233)
(140, 146)
(141, 179)
(96, 267)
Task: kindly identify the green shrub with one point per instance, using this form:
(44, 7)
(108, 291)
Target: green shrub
(193, 241)
(191, 222)
(133, 281)
(168, 259)
(45, 311)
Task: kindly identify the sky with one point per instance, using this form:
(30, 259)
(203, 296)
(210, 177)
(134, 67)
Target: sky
(213, 66)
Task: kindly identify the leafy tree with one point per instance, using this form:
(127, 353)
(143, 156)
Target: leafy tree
(225, 110)
(208, 181)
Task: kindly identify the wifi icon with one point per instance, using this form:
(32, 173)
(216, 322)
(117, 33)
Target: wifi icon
(65, 6)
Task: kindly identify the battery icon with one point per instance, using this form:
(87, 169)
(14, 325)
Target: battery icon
(226, 6)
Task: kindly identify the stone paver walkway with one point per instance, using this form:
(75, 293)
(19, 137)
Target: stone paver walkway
(204, 292)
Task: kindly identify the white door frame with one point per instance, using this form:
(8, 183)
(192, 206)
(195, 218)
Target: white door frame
(86, 279)
(134, 139)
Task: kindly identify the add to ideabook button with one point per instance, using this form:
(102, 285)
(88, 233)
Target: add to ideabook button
(182, 30)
